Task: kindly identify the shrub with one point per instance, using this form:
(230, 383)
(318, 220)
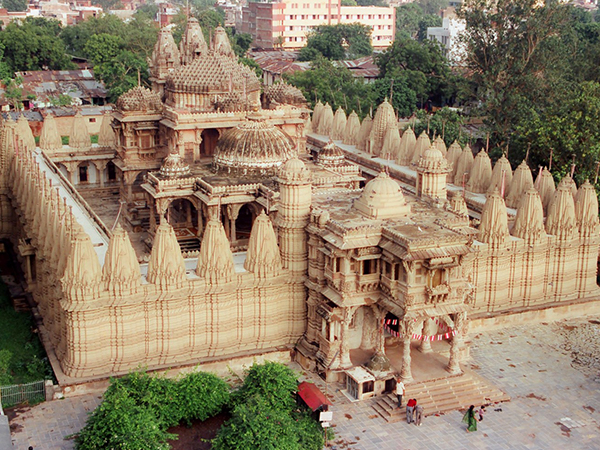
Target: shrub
(274, 382)
(201, 395)
(258, 425)
(121, 423)
(138, 409)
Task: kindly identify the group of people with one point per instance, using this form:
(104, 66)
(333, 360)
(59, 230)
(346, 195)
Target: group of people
(414, 412)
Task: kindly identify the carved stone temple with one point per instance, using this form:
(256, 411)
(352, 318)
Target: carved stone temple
(242, 226)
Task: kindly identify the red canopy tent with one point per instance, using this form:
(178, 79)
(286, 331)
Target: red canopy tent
(312, 396)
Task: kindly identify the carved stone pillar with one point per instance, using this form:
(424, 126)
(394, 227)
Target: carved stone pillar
(200, 230)
(100, 167)
(406, 372)
(345, 361)
(197, 143)
(128, 179)
(72, 167)
(152, 217)
(457, 343)
(233, 212)
(380, 339)
(425, 346)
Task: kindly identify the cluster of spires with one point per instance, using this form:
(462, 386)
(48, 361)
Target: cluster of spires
(68, 250)
(571, 214)
(166, 56)
(381, 137)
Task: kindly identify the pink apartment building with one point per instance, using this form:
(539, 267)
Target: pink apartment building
(285, 24)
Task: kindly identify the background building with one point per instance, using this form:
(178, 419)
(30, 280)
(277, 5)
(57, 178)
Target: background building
(286, 24)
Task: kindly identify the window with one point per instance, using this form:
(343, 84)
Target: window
(368, 386)
(92, 119)
(369, 266)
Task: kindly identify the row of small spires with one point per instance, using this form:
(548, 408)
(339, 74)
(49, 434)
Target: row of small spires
(381, 137)
(50, 138)
(166, 268)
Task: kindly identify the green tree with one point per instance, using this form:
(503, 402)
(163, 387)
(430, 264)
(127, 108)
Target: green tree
(202, 395)
(422, 65)
(14, 5)
(336, 85)
(520, 59)
(444, 122)
(34, 45)
(403, 98)
(102, 48)
(338, 42)
(13, 92)
(413, 20)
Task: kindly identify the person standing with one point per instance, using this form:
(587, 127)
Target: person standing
(470, 419)
(399, 391)
(410, 410)
(419, 411)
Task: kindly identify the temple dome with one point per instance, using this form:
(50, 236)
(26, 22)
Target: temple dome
(140, 99)
(284, 94)
(432, 160)
(330, 155)
(174, 166)
(254, 146)
(382, 198)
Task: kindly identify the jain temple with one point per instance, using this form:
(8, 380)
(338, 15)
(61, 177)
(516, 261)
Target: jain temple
(237, 224)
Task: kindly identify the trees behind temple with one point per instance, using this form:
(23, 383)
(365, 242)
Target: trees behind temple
(533, 71)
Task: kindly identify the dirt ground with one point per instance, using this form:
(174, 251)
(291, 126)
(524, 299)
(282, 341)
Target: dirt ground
(199, 435)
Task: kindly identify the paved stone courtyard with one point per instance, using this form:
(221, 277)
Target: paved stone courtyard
(553, 406)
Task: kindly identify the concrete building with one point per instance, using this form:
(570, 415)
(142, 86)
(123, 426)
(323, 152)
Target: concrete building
(286, 24)
(448, 35)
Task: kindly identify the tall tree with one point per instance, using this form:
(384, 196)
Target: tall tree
(336, 85)
(34, 45)
(338, 42)
(422, 65)
(519, 56)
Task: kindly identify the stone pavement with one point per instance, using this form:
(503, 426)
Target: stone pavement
(553, 406)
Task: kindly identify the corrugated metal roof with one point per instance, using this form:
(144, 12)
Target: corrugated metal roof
(52, 83)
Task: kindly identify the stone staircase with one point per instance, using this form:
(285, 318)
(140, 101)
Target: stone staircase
(442, 395)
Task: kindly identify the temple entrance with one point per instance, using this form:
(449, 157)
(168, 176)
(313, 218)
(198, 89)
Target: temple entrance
(209, 142)
(429, 345)
(183, 217)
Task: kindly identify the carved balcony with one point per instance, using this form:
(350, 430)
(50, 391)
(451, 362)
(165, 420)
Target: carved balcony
(437, 294)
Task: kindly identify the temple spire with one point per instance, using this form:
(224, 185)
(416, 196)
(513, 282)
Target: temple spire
(494, 221)
(529, 223)
(166, 267)
(121, 271)
(263, 258)
(215, 261)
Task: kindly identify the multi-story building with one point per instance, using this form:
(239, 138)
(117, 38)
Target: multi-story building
(286, 24)
(448, 34)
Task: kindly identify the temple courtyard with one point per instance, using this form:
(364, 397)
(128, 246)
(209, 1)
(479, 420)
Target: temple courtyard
(550, 371)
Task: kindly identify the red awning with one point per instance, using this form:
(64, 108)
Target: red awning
(312, 396)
